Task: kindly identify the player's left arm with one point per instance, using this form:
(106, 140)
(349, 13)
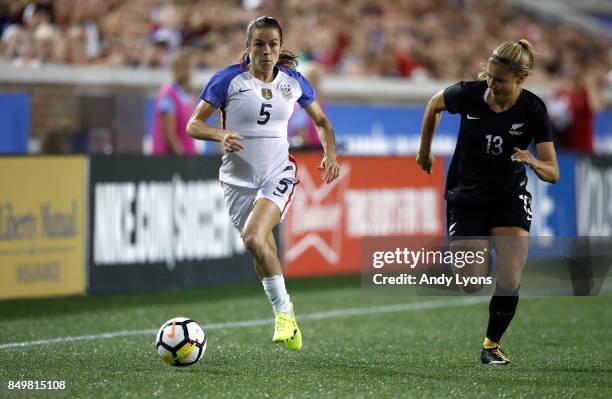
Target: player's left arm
(546, 167)
(329, 167)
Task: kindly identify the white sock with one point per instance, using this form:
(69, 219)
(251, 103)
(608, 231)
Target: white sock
(277, 294)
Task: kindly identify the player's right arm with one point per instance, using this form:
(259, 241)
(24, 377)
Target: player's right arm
(199, 129)
(433, 113)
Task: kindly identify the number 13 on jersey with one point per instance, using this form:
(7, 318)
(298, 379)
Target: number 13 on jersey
(494, 144)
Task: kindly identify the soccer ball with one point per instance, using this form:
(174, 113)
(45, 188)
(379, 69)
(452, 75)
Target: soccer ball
(181, 342)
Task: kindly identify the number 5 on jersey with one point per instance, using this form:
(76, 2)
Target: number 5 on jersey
(264, 114)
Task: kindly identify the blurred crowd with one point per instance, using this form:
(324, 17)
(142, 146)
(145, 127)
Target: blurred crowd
(442, 39)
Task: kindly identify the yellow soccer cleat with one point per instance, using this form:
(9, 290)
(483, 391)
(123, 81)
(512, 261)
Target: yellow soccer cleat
(286, 330)
(295, 343)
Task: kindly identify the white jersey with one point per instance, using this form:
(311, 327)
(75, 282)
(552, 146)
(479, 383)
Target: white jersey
(259, 112)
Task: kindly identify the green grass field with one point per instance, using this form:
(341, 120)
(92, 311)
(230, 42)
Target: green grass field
(386, 346)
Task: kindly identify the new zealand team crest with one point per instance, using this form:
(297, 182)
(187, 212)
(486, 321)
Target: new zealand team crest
(285, 89)
(266, 93)
(514, 130)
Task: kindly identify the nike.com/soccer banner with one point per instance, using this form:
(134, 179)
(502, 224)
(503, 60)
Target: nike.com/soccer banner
(160, 223)
(374, 196)
(42, 226)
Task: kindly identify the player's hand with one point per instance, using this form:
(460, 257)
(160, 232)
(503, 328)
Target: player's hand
(329, 168)
(426, 161)
(231, 143)
(523, 156)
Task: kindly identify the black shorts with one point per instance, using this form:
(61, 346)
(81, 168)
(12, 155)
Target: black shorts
(478, 218)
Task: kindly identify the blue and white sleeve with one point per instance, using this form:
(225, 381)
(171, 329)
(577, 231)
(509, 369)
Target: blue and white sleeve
(215, 91)
(308, 93)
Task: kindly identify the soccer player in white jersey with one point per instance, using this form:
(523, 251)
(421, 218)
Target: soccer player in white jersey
(256, 98)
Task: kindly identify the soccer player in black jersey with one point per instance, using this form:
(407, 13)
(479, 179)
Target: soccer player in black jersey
(486, 184)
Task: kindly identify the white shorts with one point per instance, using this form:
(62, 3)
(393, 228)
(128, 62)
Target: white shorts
(280, 190)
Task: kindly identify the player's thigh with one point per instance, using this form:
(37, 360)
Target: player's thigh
(510, 231)
(470, 257)
(262, 219)
(468, 231)
(467, 220)
(280, 190)
(239, 203)
(271, 205)
(512, 248)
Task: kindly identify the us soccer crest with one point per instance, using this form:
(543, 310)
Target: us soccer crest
(266, 93)
(286, 91)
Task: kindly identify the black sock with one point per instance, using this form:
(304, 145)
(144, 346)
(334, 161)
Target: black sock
(501, 311)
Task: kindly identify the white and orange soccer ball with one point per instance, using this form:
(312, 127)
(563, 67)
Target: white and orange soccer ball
(181, 342)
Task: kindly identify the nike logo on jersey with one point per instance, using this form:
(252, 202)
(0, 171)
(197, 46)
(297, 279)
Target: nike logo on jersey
(472, 117)
(243, 90)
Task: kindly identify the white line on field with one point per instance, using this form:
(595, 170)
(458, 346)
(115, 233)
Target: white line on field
(445, 303)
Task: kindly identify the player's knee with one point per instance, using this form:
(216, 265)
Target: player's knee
(471, 288)
(254, 243)
(509, 285)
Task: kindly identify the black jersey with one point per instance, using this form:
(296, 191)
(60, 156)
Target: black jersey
(482, 168)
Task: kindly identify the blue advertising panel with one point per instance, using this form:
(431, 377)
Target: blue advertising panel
(554, 205)
(554, 211)
(603, 131)
(15, 127)
(387, 129)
